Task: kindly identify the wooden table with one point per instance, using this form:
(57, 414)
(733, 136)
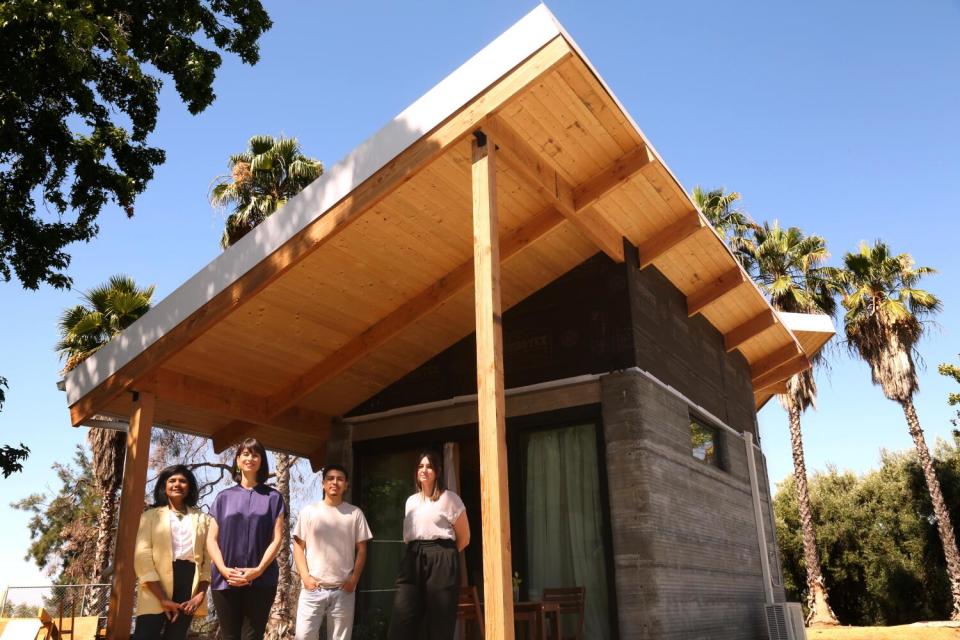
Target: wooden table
(535, 615)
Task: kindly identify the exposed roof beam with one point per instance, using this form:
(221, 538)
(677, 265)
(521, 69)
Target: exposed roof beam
(622, 170)
(712, 291)
(778, 388)
(324, 227)
(542, 175)
(230, 434)
(190, 391)
(318, 457)
(777, 358)
(781, 373)
(297, 422)
(407, 313)
(667, 238)
(752, 327)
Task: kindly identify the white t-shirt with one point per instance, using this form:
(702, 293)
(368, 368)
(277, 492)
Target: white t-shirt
(330, 535)
(181, 536)
(431, 519)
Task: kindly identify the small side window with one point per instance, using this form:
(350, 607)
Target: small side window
(705, 442)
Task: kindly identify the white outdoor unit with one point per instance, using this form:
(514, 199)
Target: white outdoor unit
(785, 621)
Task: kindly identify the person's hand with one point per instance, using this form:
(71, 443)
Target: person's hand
(349, 586)
(251, 574)
(191, 605)
(309, 583)
(170, 609)
(236, 578)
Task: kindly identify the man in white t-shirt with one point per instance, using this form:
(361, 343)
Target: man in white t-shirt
(330, 549)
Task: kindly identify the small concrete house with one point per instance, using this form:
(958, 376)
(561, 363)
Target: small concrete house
(509, 273)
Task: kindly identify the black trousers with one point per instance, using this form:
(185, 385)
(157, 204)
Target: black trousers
(243, 611)
(156, 626)
(425, 604)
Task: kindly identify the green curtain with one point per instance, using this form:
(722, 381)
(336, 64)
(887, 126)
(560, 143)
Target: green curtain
(564, 521)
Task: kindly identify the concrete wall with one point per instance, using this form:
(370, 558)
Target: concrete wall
(687, 353)
(686, 556)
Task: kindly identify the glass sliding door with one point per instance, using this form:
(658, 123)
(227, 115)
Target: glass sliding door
(564, 526)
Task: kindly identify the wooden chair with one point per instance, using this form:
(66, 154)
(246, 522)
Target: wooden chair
(468, 609)
(571, 600)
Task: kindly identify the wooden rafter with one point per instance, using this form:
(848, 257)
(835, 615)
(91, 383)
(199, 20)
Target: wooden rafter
(749, 329)
(777, 358)
(407, 313)
(323, 228)
(781, 373)
(712, 291)
(669, 237)
(622, 170)
(543, 176)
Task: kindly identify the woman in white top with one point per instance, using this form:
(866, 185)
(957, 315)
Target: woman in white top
(436, 530)
(170, 559)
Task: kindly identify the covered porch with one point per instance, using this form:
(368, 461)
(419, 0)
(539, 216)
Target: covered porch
(515, 169)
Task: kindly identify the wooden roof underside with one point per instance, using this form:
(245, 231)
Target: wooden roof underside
(372, 286)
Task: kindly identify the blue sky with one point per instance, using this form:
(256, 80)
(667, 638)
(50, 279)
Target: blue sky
(838, 117)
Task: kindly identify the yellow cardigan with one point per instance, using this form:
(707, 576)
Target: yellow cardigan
(153, 558)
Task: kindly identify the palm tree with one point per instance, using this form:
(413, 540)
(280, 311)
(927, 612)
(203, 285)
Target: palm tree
(106, 311)
(788, 267)
(732, 223)
(883, 323)
(262, 179)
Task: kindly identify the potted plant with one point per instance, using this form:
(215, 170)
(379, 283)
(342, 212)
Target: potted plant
(516, 586)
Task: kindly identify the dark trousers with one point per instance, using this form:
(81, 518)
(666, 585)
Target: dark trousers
(156, 626)
(243, 611)
(425, 604)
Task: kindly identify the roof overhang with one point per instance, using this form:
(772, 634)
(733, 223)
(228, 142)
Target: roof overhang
(367, 273)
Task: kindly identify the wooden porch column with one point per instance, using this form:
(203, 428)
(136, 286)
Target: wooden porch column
(131, 507)
(494, 494)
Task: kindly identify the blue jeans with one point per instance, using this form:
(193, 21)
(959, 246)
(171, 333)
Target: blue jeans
(334, 605)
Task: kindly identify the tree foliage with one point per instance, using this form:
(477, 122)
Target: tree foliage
(262, 179)
(877, 538)
(79, 86)
(11, 458)
(953, 399)
(62, 526)
(720, 208)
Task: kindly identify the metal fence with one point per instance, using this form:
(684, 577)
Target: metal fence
(63, 603)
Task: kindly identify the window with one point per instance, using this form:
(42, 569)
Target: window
(705, 442)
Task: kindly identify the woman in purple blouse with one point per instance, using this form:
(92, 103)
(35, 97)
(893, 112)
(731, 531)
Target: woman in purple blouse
(243, 542)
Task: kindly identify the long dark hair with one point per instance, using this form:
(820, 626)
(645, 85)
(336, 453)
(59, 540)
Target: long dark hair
(160, 489)
(252, 444)
(437, 463)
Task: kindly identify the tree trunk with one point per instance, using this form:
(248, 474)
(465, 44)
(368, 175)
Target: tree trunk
(280, 626)
(107, 449)
(818, 606)
(944, 526)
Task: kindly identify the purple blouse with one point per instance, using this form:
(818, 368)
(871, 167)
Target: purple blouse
(245, 519)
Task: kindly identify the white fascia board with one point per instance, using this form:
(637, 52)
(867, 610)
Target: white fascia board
(495, 60)
(807, 322)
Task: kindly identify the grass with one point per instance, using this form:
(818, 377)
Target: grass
(906, 632)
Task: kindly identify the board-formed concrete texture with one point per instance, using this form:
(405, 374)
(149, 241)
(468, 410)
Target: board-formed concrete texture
(687, 560)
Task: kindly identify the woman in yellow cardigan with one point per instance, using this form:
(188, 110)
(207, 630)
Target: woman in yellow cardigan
(171, 559)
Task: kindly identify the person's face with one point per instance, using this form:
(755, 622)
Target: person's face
(335, 483)
(249, 461)
(177, 487)
(426, 474)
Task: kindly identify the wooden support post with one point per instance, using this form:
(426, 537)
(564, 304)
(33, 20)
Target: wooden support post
(132, 492)
(494, 494)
